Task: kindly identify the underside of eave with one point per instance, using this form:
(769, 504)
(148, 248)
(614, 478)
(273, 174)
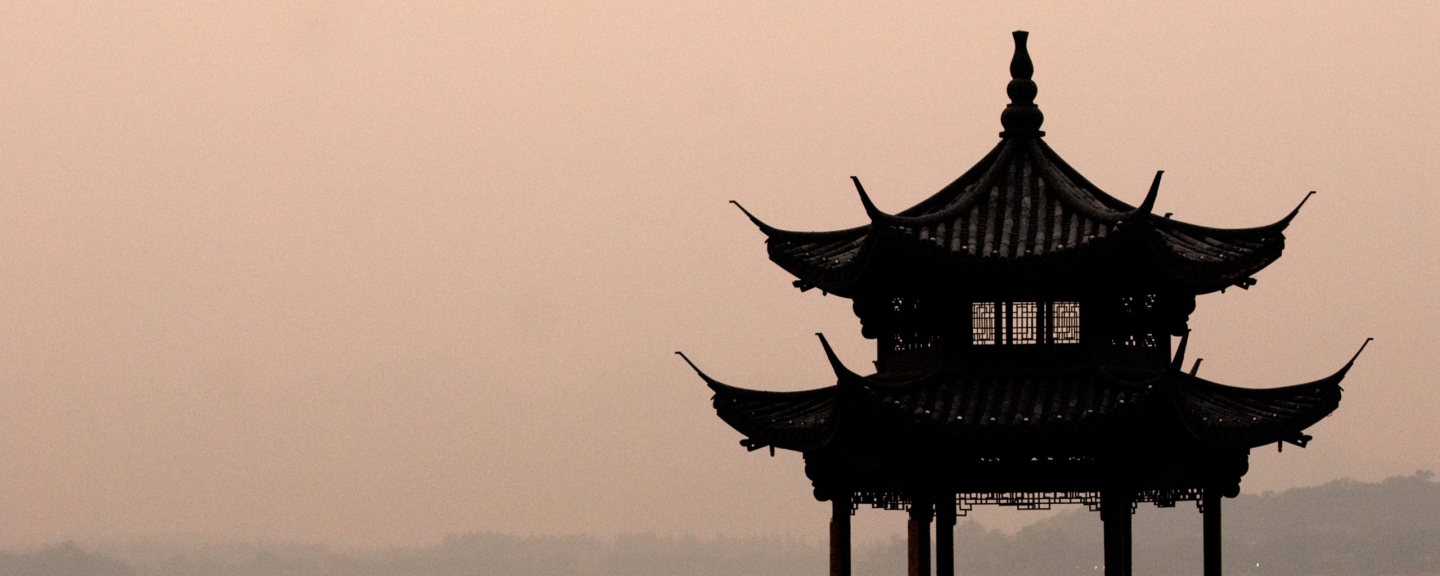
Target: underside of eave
(833, 266)
(1252, 417)
(1210, 264)
(802, 420)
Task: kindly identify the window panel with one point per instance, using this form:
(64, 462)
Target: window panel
(982, 323)
(1065, 322)
(1023, 321)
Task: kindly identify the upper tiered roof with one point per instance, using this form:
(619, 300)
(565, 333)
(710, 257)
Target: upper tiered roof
(1022, 214)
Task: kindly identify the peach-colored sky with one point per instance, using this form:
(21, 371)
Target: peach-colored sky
(375, 272)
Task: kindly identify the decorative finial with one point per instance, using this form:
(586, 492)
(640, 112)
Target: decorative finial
(1022, 117)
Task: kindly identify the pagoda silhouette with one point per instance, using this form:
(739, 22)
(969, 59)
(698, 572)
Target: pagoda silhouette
(1023, 321)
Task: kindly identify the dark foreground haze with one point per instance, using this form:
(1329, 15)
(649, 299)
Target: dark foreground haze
(1343, 528)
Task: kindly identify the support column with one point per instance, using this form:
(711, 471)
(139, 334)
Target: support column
(1115, 513)
(945, 536)
(920, 513)
(1212, 531)
(840, 535)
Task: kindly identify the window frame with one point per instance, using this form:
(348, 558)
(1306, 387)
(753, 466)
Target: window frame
(1025, 323)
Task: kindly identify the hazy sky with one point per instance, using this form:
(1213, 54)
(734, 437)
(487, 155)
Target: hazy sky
(375, 272)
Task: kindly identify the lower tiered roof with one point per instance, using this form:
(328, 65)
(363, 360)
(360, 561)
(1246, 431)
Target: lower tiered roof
(1071, 411)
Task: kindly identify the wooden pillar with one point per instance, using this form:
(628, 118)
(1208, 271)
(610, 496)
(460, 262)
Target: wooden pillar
(1115, 513)
(1212, 531)
(945, 536)
(920, 513)
(840, 535)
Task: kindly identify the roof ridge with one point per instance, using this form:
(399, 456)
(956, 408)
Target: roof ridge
(955, 206)
(1079, 196)
(1083, 196)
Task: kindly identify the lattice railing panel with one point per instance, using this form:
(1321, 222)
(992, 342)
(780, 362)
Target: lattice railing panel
(965, 502)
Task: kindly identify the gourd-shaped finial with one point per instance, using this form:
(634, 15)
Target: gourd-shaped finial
(1022, 117)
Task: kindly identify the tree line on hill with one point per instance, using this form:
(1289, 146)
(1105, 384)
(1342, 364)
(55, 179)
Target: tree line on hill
(1343, 528)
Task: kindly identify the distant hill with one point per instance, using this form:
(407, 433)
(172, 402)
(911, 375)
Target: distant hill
(62, 560)
(1344, 528)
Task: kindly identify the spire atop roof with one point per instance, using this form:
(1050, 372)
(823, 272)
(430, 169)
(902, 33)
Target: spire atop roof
(1022, 117)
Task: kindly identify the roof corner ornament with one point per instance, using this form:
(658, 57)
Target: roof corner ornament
(1348, 365)
(1022, 117)
(870, 210)
(835, 364)
(1148, 205)
(1357, 353)
(1291, 216)
(766, 228)
(703, 376)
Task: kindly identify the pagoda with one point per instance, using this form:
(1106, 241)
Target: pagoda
(1023, 321)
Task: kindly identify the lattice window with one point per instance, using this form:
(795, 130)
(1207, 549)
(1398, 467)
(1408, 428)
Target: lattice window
(1024, 323)
(982, 323)
(967, 501)
(1064, 322)
(1022, 320)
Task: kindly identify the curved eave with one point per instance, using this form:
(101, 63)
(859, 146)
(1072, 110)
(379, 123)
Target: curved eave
(830, 261)
(1220, 414)
(1205, 259)
(999, 411)
(1213, 258)
(799, 421)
